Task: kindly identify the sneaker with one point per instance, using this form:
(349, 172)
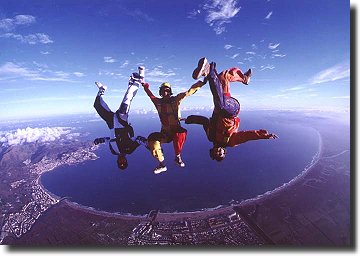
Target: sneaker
(248, 76)
(160, 168)
(179, 161)
(101, 87)
(141, 71)
(203, 69)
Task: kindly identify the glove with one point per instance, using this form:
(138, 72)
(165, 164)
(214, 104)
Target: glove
(141, 139)
(99, 141)
(146, 85)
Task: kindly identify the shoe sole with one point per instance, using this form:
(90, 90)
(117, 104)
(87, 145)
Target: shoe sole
(100, 85)
(200, 68)
(160, 171)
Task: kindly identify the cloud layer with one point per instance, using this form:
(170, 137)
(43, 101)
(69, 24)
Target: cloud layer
(31, 135)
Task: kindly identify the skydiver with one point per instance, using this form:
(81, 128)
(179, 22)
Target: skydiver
(222, 128)
(169, 113)
(120, 142)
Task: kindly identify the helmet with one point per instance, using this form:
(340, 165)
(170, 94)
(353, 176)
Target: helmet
(218, 153)
(122, 162)
(165, 86)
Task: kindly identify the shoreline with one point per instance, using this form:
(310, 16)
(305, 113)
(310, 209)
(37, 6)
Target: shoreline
(316, 157)
(300, 210)
(295, 180)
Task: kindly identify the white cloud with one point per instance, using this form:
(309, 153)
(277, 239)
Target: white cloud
(44, 52)
(11, 70)
(192, 14)
(268, 16)
(281, 96)
(158, 75)
(250, 53)
(338, 71)
(78, 74)
(32, 39)
(279, 55)
(267, 67)
(273, 46)
(30, 135)
(250, 58)
(227, 47)
(7, 24)
(293, 89)
(109, 59)
(125, 64)
(220, 12)
(234, 56)
(106, 73)
(40, 65)
(24, 19)
(10, 24)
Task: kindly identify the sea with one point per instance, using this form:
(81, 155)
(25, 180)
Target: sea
(249, 170)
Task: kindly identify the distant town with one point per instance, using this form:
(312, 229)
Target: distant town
(38, 200)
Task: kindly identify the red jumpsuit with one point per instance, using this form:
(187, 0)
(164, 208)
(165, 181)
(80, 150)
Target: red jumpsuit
(171, 130)
(221, 130)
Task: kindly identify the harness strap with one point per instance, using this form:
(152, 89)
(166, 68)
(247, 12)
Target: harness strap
(111, 148)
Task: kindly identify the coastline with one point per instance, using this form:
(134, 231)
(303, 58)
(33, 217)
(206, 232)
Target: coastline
(295, 180)
(312, 208)
(207, 211)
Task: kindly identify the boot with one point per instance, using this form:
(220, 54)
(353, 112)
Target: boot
(102, 88)
(248, 76)
(203, 69)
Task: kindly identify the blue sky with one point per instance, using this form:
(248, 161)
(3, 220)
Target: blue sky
(51, 52)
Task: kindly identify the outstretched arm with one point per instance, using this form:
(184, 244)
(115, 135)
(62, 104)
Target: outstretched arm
(244, 136)
(193, 89)
(146, 87)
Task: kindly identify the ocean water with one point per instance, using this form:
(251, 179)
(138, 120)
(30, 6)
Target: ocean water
(249, 169)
